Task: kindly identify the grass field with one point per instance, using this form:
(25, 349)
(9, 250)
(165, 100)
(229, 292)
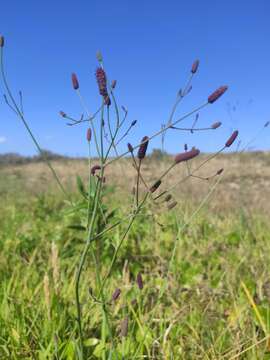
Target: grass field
(211, 253)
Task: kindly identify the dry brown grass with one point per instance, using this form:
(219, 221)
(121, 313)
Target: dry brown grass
(245, 182)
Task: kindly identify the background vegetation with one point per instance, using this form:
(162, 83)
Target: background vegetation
(217, 303)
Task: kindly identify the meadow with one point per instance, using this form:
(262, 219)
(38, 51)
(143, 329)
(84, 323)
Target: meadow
(134, 255)
(216, 303)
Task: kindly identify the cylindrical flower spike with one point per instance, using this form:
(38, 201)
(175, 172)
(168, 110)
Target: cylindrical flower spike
(185, 147)
(220, 171)
(63, 114)
(216, 125)
(130, 147)
(143, 147)
(75, 82)
(89, 134)
(217, 94)
(113, 84)
(188, 155)
(172, 205)
(231, 139)
(168, 198)
(102, 81)
(155, 186)
(124, 327)
(95, 168)
(2, 41)
(139, 281)
(116, 294)
(195, 66)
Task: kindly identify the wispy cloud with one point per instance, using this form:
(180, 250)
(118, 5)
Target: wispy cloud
(2, 139)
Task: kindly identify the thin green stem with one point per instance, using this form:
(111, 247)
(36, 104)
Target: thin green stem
(159, 132)
(21, 116)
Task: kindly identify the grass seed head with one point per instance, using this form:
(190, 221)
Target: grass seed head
(231, 139)
(195, 66)
(188, 155)
(75, 82)
(217, 94)
(143, 147)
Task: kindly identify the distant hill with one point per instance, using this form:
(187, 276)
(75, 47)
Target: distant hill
(17, 159)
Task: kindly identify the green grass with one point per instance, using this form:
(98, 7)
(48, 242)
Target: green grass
(205, 313)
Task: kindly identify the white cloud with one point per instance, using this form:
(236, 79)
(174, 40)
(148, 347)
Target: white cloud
(2, 139)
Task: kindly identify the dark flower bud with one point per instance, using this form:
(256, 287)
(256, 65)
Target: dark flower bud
(195, 66)
(134, 302)
(2, 41)
(124, 327)
(172, 205)
(232, 138)
(143, 147)
(113, 85)
(107, 100)
(134, 122)
(267, 123)
(116, 294)
(185, 147)
(217, 94)
(63, 114)
(130, 147)
(139, 281)
(99, 56)
(75, 82)
(216, 125)
(168, 197)
(188, 155)
(155, 186)
(89, 135)
(95, 168)
(220, 171)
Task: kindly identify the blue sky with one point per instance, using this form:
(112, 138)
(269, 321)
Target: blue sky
(148, 46)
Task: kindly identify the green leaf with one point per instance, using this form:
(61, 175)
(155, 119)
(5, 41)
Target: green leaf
(91, 342)
(77, 227)
(80, 187)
